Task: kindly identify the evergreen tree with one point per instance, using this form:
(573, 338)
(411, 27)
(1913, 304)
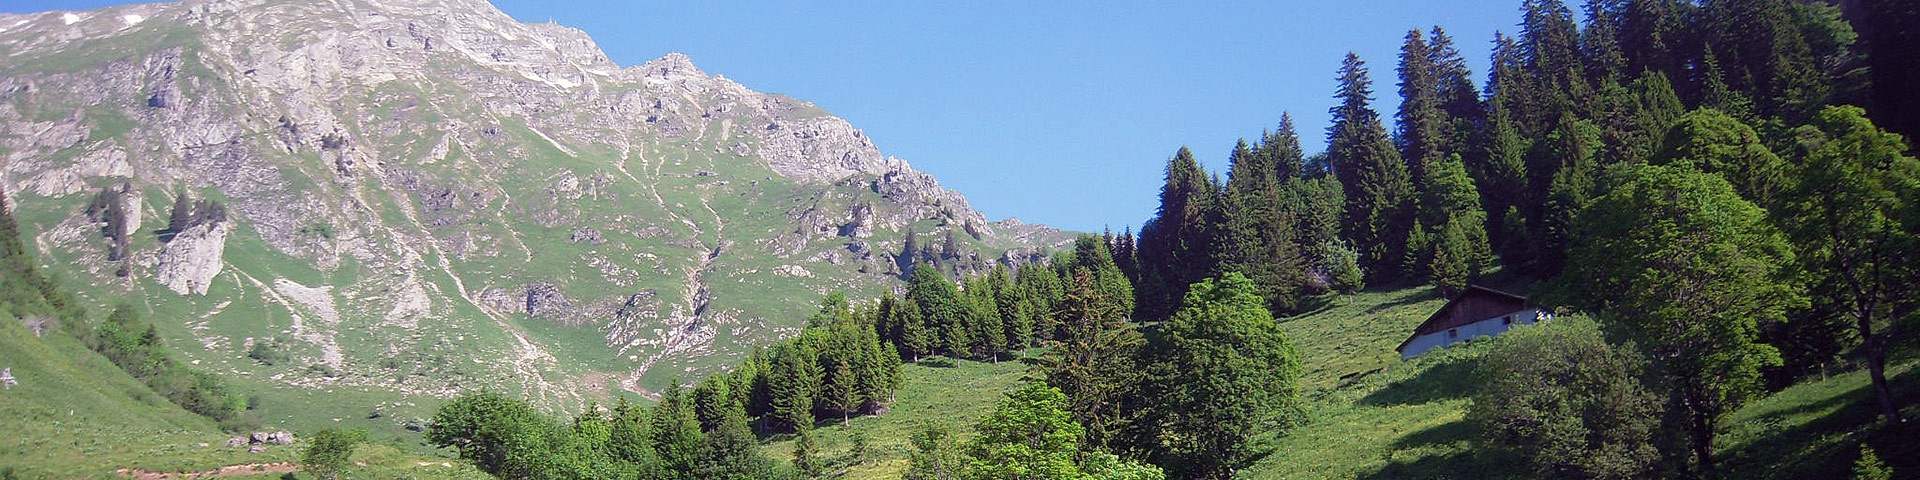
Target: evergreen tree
(1459, 246)
(942, 311)
(1504, 181)
(1550, 42)
(730, 452)
(675, 434)
(1605, 63)
(1092, 364)
(1422, 126)
(1176, 246)
(806, 455)
(711, 401)
(1654, 37)
(1379, 192)
(628, 439)
(794, 383)
(985, 329)
(180, 219)
(1457, 99)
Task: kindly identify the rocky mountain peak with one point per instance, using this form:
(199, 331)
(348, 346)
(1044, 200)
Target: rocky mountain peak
(673, 65)
(427, 172)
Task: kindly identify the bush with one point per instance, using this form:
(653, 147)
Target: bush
(329, 452)
(1566, 401)
(268, 353)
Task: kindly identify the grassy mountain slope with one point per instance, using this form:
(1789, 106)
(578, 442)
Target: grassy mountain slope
(1373, 417)
(424, 198)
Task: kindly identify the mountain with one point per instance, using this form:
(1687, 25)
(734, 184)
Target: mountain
(427, 196)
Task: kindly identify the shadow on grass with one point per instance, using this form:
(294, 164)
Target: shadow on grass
(1443, 451)
(1826, 447)
(1456, 465)
(1438, 436)
(1404, 300)
(1451, 378)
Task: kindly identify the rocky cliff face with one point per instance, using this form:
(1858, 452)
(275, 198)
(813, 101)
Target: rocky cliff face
(458, 186)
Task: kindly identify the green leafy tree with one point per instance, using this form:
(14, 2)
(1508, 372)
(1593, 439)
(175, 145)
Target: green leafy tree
(1689, 269)
(328, 452)
(935, 456)
(1869, 466)
(1568, 403)
(1223, 371)
(500, 435)
(1714, 142)
(1029, 435)
(1847, 218)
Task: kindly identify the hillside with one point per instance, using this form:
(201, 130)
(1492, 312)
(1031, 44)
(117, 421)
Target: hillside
(1371, 416)
(416, 198)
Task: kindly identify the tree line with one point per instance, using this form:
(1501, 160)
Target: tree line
(1701, 176)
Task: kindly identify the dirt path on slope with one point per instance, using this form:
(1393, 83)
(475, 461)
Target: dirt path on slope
(226, 471)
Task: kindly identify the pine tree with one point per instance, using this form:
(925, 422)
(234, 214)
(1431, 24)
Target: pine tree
(1421, 124)
(711, 400)
(180, 219)
(793, 384)
(675, 434)
(942, 311)
(1457, 99)
(1176, 246)
(984, 325)
(1092, 364)
(806, 455)
(1605, 64)
(1653, 37)
(730, 452)
(1379, 192)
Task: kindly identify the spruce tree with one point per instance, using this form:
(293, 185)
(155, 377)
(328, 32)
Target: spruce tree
(1176, 246)
(1379, 192)
(793, 384)
(942, 312)
(1092, 364)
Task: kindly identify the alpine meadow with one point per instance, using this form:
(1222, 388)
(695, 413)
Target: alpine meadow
(382, 239)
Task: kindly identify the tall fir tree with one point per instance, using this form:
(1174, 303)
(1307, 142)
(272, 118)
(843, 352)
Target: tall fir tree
(1177, 245)
(1379, 192)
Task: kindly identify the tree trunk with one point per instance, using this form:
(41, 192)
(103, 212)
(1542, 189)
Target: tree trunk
(1877, 369)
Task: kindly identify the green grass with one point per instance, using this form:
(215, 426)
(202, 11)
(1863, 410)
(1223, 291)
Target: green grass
(950, 397)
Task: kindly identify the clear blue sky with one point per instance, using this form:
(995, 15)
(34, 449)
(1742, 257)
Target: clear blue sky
(1061, 113)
